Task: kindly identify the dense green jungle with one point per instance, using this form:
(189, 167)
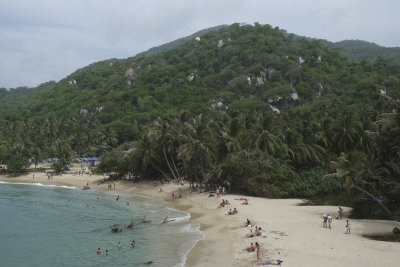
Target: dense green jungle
(265, 112)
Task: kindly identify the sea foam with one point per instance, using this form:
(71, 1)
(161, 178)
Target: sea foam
(42, 185)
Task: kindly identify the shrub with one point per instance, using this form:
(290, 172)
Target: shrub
(16, 164)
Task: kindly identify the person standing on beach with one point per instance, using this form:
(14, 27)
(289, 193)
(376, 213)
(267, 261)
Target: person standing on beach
(348, 227)
(329, 221)
(324, 224)
(340, 213)
(258, 251)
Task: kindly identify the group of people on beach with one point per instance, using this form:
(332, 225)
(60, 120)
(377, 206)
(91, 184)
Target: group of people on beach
(327, 220)
(119, 246)
(232, 212)
(220, 190)
(110, 185)
(224, 203)
(257, 248)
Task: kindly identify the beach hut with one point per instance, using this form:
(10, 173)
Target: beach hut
(93, 161)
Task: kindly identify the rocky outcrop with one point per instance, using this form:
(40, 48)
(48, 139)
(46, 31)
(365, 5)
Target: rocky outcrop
(129, 73)
(274, 109)
(301, 61)
(294, 96)
(198, 39)
(249, 80)
(218, 105)
(193, 76)
(83, 112)
(220, 43)
(72, 82)
(396, 230)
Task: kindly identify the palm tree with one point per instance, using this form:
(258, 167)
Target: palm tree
(143, 155)
(347, 133)
(196, 156)
(352, 172)
(163, 133)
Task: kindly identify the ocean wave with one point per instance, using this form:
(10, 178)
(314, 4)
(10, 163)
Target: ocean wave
(189, 228)
(42, 185)
(185, 247)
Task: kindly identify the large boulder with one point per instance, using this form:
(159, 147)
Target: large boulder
(396, 230)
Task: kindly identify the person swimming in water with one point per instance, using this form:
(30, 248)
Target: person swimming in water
(98, 251)
(133, 244)
(119, 245)
(106, 252)
(117, 198)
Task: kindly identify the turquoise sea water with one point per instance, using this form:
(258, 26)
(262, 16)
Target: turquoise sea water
(51, 226)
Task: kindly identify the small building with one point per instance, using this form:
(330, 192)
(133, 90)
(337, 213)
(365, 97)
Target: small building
(93, 161)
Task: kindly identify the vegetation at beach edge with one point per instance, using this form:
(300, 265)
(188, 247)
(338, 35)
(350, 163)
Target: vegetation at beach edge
(253, 107)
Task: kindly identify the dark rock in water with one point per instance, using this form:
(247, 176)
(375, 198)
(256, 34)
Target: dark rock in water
(396, 230)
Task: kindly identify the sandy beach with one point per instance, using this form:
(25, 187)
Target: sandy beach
(294, 233)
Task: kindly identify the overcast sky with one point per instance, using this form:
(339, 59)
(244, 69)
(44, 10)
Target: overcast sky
(43, 40)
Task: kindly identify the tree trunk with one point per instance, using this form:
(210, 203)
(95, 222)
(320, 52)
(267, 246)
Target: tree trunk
(198, 181)
(169, 166)
(173, 163)
(162, 172)
(380, 202)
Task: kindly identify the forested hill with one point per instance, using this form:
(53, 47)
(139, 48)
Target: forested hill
(362, 50)
(175, 43)
(253, 106)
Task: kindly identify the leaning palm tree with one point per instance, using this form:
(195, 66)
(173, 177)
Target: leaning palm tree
(196, 156)
(162, 132)
(352, 171)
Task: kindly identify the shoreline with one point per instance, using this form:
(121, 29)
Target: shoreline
(294, 233)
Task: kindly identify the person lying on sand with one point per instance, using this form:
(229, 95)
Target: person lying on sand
(227, 202)
(251, 234)
(251, 248)
(245, 202)
(270, 262)
(230, 212)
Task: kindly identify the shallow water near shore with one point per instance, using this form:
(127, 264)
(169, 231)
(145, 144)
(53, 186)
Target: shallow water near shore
(43, 225)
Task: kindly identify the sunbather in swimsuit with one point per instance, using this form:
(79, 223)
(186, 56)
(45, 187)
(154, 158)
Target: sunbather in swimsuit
(270, 262)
